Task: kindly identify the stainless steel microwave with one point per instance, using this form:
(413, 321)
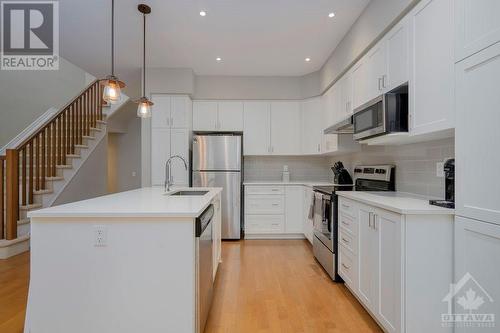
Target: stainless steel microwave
(388, 113)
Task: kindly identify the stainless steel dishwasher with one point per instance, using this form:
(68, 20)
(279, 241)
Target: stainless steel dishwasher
(204, 267)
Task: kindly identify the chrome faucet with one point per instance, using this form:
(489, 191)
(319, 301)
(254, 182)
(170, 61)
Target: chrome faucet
(168, 171)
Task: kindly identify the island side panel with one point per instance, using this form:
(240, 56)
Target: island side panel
(141, 281)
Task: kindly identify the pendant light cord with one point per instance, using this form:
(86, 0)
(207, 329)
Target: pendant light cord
(144, 58)
(113, 37)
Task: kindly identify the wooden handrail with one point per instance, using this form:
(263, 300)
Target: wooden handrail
(28, 165)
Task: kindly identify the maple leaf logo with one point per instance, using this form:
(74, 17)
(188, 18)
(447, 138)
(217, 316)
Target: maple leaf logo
(470, 301)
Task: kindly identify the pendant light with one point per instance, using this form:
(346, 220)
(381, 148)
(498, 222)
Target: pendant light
(144, 108)
(112, 86)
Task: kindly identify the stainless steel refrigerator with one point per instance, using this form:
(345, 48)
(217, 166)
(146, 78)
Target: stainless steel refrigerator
(217, 163)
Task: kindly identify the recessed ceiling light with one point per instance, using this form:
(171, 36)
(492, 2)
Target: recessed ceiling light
(203, 13)
(307, 59)
(332, 14)
(218, 59)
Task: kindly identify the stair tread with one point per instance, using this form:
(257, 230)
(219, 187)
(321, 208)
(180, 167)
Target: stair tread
(30, 206)
(46, 191)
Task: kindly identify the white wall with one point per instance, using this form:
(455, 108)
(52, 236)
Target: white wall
(377, 18)
(91, 179)
(26, 95)
(170, 81)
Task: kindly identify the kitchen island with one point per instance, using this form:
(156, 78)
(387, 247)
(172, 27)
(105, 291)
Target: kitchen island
(125, 262)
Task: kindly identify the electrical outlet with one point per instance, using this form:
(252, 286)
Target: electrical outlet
(440, 169)
(100, 236)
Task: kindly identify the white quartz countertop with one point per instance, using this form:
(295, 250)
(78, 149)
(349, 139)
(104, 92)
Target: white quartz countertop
(398, 202)
(281, 183)
(143, 202)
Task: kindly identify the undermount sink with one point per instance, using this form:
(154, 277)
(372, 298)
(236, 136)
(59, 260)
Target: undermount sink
(189, 193)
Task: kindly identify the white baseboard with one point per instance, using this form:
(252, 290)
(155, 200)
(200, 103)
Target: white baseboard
(10, 248)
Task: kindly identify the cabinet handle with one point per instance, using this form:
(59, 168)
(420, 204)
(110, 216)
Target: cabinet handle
(370, 219)
(383, 81)
(345, 266)
(319, 147)
(379, 83)
(345, 206)
(275, 204)
(375, 221)
(344, 222)
(172, 121)
(345, 240)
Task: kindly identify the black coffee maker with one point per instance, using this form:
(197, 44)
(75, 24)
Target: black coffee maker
(341, 174)
(449, 186)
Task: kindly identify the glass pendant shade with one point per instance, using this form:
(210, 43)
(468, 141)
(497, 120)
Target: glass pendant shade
(144, 108)
(112, 92)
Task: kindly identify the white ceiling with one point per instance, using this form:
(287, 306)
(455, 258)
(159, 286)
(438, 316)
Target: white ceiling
(253, 37)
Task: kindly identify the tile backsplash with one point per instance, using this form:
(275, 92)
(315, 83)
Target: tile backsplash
(269, 168)
(415, 165)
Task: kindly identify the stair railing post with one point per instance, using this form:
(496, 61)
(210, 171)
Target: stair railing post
(12, 193)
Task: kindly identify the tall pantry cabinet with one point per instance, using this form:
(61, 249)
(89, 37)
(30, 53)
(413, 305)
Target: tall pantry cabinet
(170, 135)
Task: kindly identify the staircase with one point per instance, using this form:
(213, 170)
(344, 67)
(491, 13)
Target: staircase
(36, 170)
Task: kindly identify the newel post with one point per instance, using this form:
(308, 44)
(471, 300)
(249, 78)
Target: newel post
(12, 189)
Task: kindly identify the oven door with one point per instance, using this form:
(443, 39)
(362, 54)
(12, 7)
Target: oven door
(369, 119)
(322, 220)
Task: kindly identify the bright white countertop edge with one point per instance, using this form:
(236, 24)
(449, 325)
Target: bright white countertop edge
(190, 207)
(398, 202)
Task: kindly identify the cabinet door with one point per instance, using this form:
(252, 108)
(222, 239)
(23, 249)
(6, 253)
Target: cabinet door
(285, 128)
(388, 229)
(477, 249)
(216, 235)
(294, 209)
(204, 115)
(432, 75)
(367, 258)
(360, 90)
(180, 146)
(397, 48)
(308, 222)
(160, 115)
(160, 152)
(256, 128)
(477, 26)
(476, 135)
(230, 116)
(377, 68)
(312, 125)
(181, 112)
(345, 105)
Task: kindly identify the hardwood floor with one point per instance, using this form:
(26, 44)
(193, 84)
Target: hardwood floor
(277, 286)
(262, 286)
(14, 278)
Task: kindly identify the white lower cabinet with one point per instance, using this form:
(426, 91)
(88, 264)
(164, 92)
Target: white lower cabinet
(216, 235)
(477, 253)
(398, 266)
(307, 224)
(275, 211)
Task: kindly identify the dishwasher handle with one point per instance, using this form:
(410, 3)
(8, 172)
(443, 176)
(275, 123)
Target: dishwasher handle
(204, 220)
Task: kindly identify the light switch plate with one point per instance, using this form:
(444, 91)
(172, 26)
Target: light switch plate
(440, 169)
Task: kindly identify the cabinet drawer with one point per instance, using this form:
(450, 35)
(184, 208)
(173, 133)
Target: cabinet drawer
(347, 222)
(347, 206)
(264, 204)
(271, 190)
(347, 267)
(262, 224)
(347, 240)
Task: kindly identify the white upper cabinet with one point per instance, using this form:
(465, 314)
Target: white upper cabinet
(205, 115)
(226, 116)
(285, 128)
(432, 75)
(397, 45)
(312, 125)
(257, 128)
(171, 111)
(477, 26)
(160, 114)
(477, 136)
(181, 112)
(345, 106)
(230, 116)
(377, 66)
(360, 90)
